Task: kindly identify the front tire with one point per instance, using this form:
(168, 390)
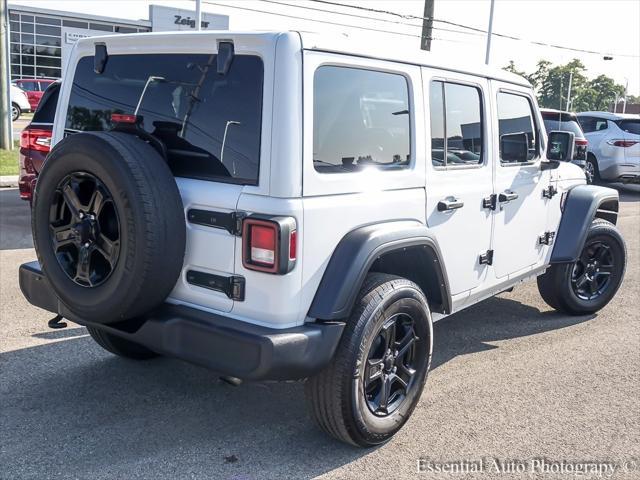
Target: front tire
(589, 284)
(16, 111)
(120, 346)
(377, 375)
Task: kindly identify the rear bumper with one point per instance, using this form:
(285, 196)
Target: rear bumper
(625, 172)
(228, 346)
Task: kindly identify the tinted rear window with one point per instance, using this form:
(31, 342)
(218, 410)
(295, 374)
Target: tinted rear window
(46, 110)
(563, 122)
(209, 123)
(630, 126)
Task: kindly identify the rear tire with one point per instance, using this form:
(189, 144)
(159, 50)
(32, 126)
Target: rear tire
(16, 111)
(591, 170)
(590, 283)
(386, 347)
(120, 346)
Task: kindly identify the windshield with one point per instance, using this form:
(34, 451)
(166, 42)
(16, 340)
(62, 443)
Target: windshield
(563, 122)
(209, 123)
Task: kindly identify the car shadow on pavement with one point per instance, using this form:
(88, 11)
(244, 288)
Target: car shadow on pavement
(495, 319)
(69, 409)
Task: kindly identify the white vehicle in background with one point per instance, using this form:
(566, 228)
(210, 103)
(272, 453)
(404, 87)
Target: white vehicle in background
(19, 102)
(614, 146)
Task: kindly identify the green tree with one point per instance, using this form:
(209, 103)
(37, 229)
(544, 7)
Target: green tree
(598, 94)
(551, 83)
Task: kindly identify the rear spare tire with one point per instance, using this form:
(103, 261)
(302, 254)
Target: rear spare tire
(108, 226)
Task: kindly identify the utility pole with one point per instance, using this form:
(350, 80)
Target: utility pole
(624, 103)
(569, 91)
(198, 15)
(489, 31)
(427, 25)
(5, 93)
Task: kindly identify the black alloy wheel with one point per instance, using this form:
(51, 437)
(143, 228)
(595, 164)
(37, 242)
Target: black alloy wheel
(85, 229)
(588, 284)
(592, 272)
(391, 365)
(377, 374)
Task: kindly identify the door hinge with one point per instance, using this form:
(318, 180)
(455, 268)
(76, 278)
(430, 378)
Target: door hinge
(547, 238)
(490, 202)
(231, 222)
(486, 258)
(236, 223)
(233, 286)
(549, 192)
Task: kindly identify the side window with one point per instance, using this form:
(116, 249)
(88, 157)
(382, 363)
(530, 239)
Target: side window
(588, 124)
(360, 119)
(456, 115)
(601, 124)
(515, 116)
(28, 86)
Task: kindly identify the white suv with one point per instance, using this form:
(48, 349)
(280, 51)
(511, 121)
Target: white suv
(289, 206)
(614, 146)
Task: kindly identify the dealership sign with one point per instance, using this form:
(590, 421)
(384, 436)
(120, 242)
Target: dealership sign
(167, 18)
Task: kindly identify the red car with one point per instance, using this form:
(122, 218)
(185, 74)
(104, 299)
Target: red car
(35, 141)
(35, 88)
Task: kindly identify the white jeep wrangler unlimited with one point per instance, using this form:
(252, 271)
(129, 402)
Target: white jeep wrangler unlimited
(287, 206)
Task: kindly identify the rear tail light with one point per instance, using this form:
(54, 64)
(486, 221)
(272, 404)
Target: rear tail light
(582, 143)
(36, 139)
(269, 244)
(622, 143)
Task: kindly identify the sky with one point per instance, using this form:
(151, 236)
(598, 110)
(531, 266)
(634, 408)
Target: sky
(609, 27)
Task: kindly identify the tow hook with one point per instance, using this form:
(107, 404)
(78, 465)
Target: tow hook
(56, 322)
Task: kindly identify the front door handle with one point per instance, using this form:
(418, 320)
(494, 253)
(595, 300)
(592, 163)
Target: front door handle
(507, 196)
(450, 203)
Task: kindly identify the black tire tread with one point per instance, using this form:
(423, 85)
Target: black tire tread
(551, 284)
(326, 391)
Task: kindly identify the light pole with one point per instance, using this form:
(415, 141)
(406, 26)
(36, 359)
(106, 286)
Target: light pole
(198, 15)
(569, 91)
(486, 57)
(5, 89)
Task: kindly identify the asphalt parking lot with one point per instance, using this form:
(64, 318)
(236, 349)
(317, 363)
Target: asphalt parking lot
(511, 380)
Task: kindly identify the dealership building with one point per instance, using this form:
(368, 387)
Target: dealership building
(41, 39)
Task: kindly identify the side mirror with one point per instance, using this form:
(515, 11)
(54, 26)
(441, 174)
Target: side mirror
(514, 147)
(560, 146)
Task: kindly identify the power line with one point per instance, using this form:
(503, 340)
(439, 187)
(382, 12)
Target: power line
(475, 29)
(321, 21)
(366, 17)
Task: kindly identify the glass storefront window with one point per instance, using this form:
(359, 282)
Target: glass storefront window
(47, 72)
(48, 20)
(50, 41)
(48, 62)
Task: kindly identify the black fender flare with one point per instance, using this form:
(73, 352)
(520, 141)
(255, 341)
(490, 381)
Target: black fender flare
(356, 253)
(582, 205)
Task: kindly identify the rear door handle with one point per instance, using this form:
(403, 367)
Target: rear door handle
(507, 196)
(450, 203)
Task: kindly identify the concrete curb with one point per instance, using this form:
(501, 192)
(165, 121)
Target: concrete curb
(8, 181)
